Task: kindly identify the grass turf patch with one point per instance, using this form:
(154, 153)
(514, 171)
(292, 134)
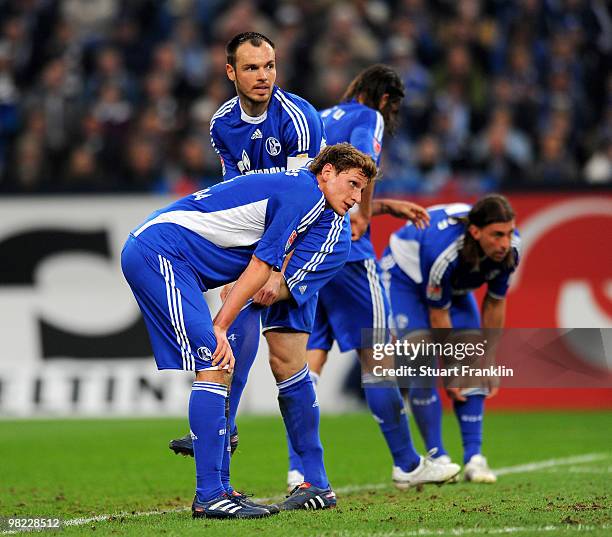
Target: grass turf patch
(82, 468)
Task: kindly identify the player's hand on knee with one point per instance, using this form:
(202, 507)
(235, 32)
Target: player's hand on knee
(493, 387)
(223, 357)
(270, 292)
(455, 394)
(493, 392)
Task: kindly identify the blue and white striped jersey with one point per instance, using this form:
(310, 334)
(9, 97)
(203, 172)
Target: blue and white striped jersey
(430, 257)
(362, 127)
(216, 231)
(287, 135)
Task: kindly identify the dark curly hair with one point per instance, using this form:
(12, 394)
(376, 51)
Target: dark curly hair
(371, 84)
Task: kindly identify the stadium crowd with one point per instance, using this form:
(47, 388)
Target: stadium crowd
(117, 95)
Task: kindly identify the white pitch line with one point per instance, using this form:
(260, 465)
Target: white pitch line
(518, 469)
(425, 532)
(550, 463)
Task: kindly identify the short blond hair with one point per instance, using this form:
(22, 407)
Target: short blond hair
(344, 157)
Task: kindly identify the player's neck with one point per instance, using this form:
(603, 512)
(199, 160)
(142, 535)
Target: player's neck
(252, 108)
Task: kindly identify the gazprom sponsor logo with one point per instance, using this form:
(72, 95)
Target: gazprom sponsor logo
(274, 169)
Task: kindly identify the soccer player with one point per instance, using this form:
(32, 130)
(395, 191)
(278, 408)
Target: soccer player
(431, 274)
(266, 129)
(229, 232)
(355, 300)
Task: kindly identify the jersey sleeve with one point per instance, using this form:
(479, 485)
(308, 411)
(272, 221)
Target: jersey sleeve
(303, 133)
(498, 286)
(438, 290)
(319, 255)
(228, 166)
(289, 215)
(368, 135)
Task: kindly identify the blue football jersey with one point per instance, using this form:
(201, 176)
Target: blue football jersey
(288, 135)
(430, 257)
(362, 127)
(217, 230)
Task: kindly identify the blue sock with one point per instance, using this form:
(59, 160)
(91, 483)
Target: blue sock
(470, 414)
(227, 453)
(295, 462)
(243, 336)
(208, 427)
(427, 411)
(300, 409)
(387, 407)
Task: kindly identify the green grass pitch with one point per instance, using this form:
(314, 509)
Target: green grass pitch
(80, 469)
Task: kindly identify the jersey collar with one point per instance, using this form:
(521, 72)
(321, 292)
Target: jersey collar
(258, 119)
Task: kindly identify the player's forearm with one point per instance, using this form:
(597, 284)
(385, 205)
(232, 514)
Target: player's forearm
(440, 318)
(493, 312)
(390, 206)
(366, 205)
(251, 280)
(380, 206)
(284, 293)
(286, 261)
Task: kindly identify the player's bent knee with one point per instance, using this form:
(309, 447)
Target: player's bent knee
(316, 359)
(287, 353)
(214, 375)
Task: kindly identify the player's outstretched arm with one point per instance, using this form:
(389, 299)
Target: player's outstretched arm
(493, 312)
(250, 281)
(440, 318)
(402, 209)
(360, 219)
(275, 289)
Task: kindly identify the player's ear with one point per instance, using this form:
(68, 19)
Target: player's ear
(231, 73)
(475, 232)
(383, 101)
(329, 171)
(325, 174)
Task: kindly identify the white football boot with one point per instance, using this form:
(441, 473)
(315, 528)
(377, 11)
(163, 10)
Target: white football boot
(428, 471)
(477, 470)
(445, 459)
(294, 479)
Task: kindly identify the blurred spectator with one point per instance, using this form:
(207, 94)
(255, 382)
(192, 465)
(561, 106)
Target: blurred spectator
(195, 169)
(109, 69)
(516, 144)
(9, 111)
(459, 75)
(345, 46)
(130, 87)
(418, 84)
(91, 18)
(143, 170)
(28, 170)
(555, 165)
(83, 174)
(194, 62)
(598, 169)
(242, 16)
(59, 103)
(423, 168)
(502, 152)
